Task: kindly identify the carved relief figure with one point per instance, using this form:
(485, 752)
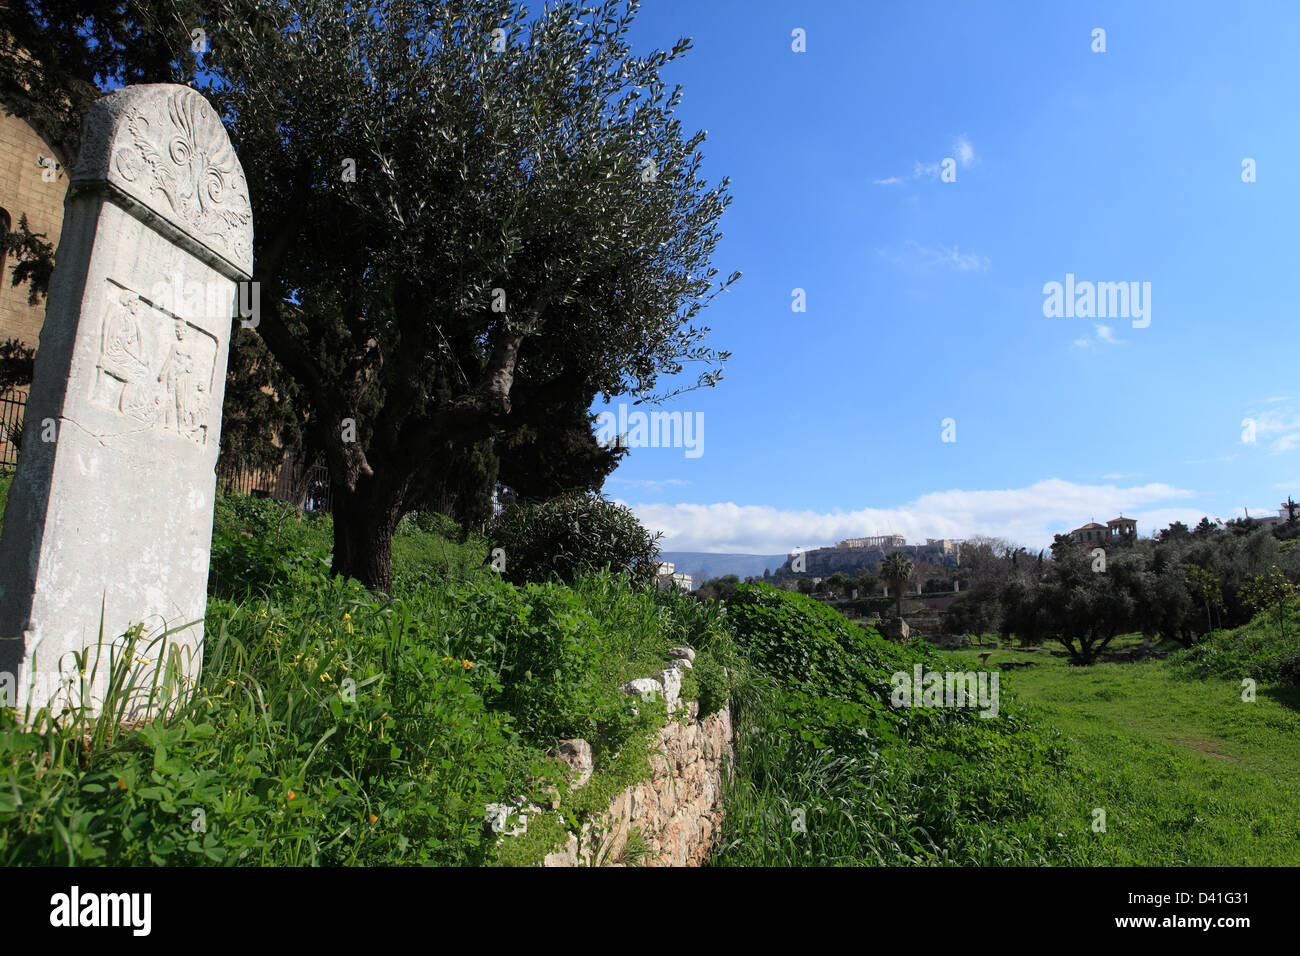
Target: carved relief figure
(170, 394)
(124, 359)
(177, 378)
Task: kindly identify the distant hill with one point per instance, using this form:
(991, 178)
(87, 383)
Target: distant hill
(702, 564)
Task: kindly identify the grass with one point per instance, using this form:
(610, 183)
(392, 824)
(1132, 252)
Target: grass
(335, 727)
(1188, 773)
(829, 772)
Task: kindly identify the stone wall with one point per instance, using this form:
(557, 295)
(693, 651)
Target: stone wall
(676, 811)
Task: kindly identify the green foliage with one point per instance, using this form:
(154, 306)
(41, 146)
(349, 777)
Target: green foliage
(326, 730)
(62, 50)
(819, 742)
(430, 550)
(6, 480)
(712, 684)
(1265, 648)
(16, 364)
(1188, 772)
(544, 646)
(565, 536)
(507, 256)
(1271, 589)
(262, 546)
(34, 264)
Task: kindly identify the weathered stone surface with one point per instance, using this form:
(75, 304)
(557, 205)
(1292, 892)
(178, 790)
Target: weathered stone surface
(576, 753)
(683, 653)
(895, 629)
(647, 688)
(677, 811)
(671, 679)
(498, 816)
(112, 504)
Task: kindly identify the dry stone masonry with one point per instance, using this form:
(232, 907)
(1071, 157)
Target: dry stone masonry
(678, 810)
(111, 508)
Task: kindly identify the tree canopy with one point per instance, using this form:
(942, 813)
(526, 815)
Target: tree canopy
(469, 224)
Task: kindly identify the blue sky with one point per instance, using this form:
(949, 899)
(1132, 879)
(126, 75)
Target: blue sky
(924, 298)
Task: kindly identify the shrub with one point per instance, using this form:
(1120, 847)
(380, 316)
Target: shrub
(562, 537)
(1260, 648)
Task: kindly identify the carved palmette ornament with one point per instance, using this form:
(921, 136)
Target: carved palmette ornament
(164, 147)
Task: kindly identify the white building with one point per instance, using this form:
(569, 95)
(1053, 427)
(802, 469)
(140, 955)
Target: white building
(667, 577)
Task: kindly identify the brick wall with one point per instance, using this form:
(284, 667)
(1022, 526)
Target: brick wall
(22, 190)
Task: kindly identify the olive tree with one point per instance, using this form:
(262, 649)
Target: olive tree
(459, 203)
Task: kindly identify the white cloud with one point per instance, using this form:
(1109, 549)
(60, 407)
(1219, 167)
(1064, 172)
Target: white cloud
(1029, 516)
(963, 153)
(964, 150)
(649, 484)
(1280, 427)
(1105, 335)
(917, 256)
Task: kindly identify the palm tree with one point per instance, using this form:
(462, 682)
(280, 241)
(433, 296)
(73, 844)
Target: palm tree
(896, 569)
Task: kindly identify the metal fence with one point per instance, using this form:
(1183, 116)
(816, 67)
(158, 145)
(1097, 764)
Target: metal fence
(307, 485)
(12, 404)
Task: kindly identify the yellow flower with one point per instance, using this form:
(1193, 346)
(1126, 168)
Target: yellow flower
(292, 794)
(346, 615)
(373, 818)
(468, 664)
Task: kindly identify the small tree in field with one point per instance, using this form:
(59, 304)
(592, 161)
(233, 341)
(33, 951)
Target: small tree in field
(896, 570)
(1270, 589)
(1208, 588)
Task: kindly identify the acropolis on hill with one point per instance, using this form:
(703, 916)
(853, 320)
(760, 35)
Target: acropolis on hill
(853, 553)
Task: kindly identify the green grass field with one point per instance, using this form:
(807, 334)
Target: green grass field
(1186, 771)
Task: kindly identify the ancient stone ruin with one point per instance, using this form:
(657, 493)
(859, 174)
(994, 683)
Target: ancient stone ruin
(109, 521)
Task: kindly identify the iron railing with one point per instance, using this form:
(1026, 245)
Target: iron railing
(13, 402)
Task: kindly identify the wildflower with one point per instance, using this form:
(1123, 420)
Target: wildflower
(373, 818)
(468, 664)
(292, 794)
(121, 784)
